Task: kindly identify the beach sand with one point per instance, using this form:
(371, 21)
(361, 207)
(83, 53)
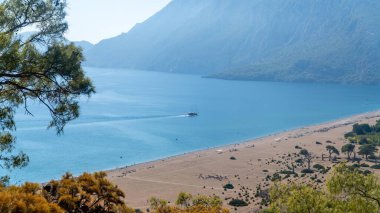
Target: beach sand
(205, 172)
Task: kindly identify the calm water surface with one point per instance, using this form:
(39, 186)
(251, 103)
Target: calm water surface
(138, 116)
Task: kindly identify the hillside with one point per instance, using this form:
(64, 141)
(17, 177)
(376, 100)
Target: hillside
(290, 40)
(85, 45)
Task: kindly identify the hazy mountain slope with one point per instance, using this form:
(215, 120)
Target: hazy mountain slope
(288, 40)
(85, 45)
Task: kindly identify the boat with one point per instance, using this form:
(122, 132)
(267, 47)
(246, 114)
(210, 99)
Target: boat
(192, 114)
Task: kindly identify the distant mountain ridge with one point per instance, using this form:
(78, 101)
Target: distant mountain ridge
(288, 40)
(85, 45)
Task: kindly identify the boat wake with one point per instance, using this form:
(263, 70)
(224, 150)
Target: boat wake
(86, 121)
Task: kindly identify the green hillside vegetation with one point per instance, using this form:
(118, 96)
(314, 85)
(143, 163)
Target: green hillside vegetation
(367, 137)
(92, 193)
(348, 190)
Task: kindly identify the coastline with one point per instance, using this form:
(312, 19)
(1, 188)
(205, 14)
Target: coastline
(367, 115)
(205, 171)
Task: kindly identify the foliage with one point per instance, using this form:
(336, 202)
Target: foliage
(319, 167)
(228, 186)
(25, 199)
(286, 172)
(307, 171)
(86, 193)
(199, 204)
(348, 190)
(183, 199)
(237, 203)
(349, 149)
(307, 156)
(40, 67)
(366, 150)
(361, 129)
(332, 150)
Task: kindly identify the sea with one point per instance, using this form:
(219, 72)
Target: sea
(138, 116)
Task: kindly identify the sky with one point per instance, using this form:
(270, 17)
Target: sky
(94, 20)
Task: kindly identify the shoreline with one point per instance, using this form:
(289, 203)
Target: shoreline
(245, 164)
(366, 115)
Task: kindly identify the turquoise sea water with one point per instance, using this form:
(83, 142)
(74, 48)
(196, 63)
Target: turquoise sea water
(138, 116)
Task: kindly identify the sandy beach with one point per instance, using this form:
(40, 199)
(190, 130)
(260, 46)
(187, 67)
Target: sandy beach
(246, 165)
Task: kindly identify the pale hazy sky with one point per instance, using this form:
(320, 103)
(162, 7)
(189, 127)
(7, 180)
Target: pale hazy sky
(94, 20)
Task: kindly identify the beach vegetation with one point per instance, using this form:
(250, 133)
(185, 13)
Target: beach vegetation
(237, 203)
(367, 150)
(348, 149)
(229, 186)
(85, 193)
(307, 157)
(184, 199)
(201, 204)
(26, 198)
(332, 150)
(319, 167)
(347, 190)
(307, 171)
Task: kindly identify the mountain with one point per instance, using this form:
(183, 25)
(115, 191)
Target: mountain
(85, 45)
(287, 40)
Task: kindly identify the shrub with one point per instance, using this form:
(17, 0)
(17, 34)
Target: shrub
(237, 203)
(307, 171)
(286, 172)
(275, 177)
(318, 143)
(376, 166)
(232, 158)
(228, 186)
(364, 165)
(319, 167)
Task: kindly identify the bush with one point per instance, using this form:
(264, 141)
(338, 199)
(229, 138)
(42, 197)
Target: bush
(376, 166)
(318, 143)
(275, 177)
(364, 165)
(228, 186)
(232, 158)
(297, 147)
(319, 167)
(349, 135)
(286, 172)
(307, 171)
(372, 157)
(237, 203)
